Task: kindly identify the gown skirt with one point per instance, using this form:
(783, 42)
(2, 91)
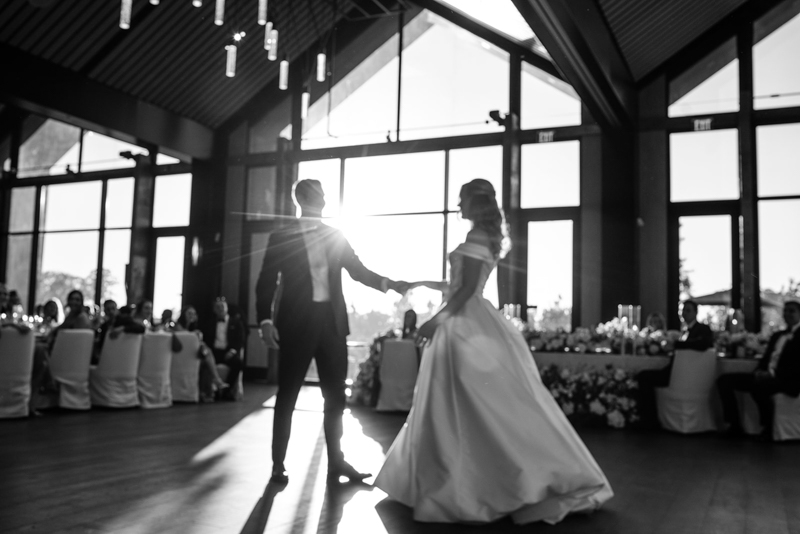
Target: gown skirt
(485, 439)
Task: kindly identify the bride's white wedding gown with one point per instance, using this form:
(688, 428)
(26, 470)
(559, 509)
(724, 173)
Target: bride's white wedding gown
(485, 439)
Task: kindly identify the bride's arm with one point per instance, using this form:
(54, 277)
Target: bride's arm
(470, 277)
(431, 284)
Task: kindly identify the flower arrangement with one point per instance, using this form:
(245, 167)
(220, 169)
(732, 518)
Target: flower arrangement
(367, 385)
(612, 338)
(602, 396)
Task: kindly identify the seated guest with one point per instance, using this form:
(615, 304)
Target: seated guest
(77, 318)
(655, 322)
(124, 322)
(52, 315)
(166, 324)
(143, 313)
(225, 337)
(777, 372)
(110, 312)
(694, 336)
(15, 303)
(188, 322)
(409, 325)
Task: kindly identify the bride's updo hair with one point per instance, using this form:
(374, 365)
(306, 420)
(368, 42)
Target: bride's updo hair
(486, 215)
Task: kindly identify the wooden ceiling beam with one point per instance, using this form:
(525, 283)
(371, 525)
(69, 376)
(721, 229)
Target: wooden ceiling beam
(576, 36)
(39, 86)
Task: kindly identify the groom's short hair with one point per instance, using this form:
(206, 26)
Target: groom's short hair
(304, 189)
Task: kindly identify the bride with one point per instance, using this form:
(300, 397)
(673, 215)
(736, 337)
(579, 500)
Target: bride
(485, 439)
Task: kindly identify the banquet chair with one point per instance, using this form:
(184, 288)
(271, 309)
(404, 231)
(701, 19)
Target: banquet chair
(185, 369)
(16, 365)
(686, 405)
(398, 374)
(69, 367)
(786, 425)
(787, 418)
(152, 379)
(112, 383)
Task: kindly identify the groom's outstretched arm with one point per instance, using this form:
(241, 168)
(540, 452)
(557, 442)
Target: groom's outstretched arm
(360, 273)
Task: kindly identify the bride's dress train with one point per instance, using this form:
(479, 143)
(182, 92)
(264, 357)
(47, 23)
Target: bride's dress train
(485, 439)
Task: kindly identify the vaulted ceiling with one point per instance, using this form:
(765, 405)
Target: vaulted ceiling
(172, 59)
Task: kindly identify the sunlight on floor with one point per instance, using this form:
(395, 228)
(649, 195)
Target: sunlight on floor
(229, 477)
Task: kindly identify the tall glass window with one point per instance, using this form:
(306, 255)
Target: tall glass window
(779, 257)
(704, 165)
(168, 276)
(778, 160)
(262, 195)
(48, 147)
(450, 82)
(466, 164)
(705, 263)
(551, 175)
(546, 101)
(776, 78)
(710, 86)
(550, 273)
(173, 200)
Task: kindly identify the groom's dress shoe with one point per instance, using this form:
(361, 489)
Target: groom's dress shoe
(279, 476)
(348, 471)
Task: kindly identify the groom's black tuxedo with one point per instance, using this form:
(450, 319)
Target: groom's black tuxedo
(291, 299)
(308, 329)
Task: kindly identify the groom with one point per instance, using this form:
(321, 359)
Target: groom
(301, 309)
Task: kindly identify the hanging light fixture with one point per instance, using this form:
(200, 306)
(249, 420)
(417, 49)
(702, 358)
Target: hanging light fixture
(321, 66)
(230, 68)
(262, 12)
(219, 13)
(154, 2)
(268, 36)
(125, 14)
(304, 101)
(197, 3)
(273, 48)
(283, 80)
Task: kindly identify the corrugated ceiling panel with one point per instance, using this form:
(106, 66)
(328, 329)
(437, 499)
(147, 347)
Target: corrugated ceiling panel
(650, 31)
(173, 56)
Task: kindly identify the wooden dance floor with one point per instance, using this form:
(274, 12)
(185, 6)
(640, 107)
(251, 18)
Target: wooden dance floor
(204, 469)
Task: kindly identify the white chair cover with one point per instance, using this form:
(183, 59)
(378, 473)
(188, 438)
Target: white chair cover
(787, 418)
(185, 369)
(16, 364)
(155, 361)
(112, 383)
(686, 405)
(69, 366)
(398, 374)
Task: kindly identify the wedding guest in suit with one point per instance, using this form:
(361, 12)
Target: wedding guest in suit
(301, 309)
(694, 336)
(225, 337)
(777, 372)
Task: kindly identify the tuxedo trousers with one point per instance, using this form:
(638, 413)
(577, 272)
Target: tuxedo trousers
(761, 391)
(320, 341)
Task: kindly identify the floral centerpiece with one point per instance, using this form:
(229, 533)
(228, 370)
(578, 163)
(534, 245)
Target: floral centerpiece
(603, 396)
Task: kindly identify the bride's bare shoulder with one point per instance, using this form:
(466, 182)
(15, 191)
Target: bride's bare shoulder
(478, 236)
